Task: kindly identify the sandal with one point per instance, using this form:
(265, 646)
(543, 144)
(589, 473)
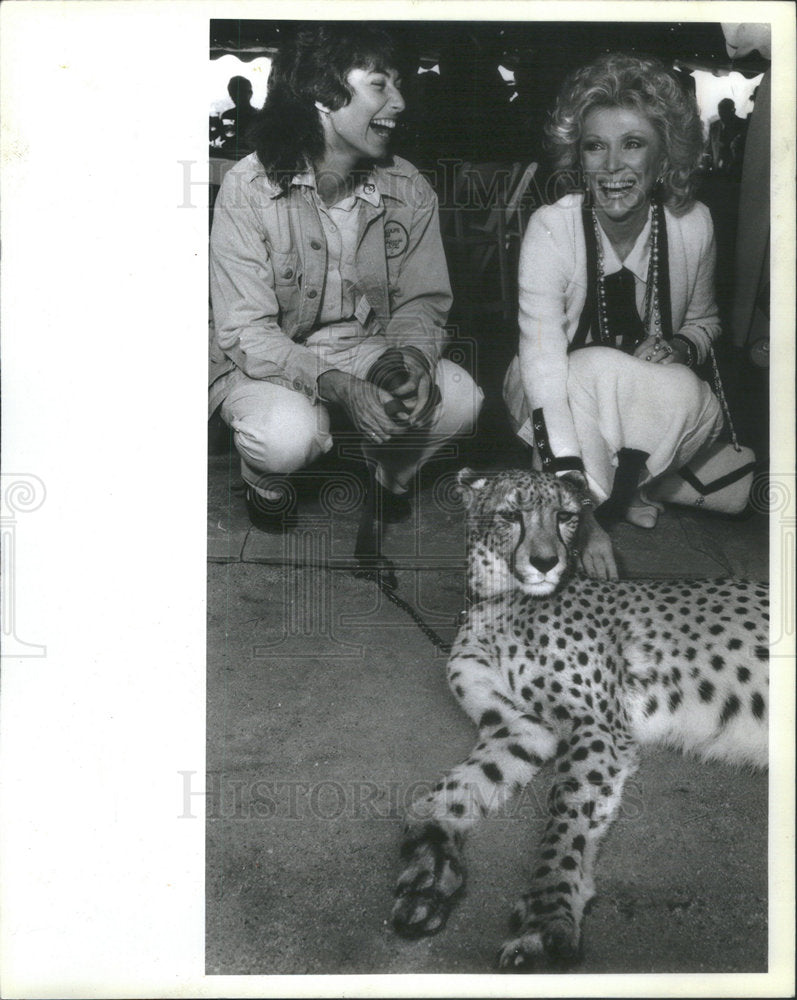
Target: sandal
(643, 512)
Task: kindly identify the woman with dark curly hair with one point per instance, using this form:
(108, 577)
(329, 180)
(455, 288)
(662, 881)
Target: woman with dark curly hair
(624, 268)
(328, 278)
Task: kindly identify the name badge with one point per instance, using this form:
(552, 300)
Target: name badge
(363, 311)
(396, 239)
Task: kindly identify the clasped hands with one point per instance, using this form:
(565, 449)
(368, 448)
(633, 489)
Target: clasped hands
(661, 352)
(365, 403)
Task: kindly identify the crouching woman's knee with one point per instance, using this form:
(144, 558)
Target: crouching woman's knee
(461, 399)
(282, 439)
(693, 397)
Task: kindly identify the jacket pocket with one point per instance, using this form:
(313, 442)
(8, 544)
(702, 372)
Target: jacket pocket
(287, 281)
(285, 266)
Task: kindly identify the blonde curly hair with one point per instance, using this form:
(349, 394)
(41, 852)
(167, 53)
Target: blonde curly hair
(645, 85)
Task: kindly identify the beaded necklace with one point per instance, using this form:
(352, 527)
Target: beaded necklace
(652, 311)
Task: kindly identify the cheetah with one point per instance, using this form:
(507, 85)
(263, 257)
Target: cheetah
(582, 672)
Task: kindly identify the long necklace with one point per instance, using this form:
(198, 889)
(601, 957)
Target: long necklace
(652, 312)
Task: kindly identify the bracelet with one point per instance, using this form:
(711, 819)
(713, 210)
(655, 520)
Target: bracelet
(691, 350)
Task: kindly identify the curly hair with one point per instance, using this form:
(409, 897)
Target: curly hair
(312, 66)
(643, 85)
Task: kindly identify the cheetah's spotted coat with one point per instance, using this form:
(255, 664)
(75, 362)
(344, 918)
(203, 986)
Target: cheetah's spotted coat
(582, 673)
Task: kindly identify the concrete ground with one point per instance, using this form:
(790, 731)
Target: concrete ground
(328, 711)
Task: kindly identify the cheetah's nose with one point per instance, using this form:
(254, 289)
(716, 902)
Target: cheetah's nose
(543, 565)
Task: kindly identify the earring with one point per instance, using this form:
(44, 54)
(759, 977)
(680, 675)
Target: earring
(322, 108)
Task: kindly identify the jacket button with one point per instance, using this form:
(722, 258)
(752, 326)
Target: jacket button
(287, 273)
(369, 188)
(312, 293)
(315, 244)
(297, 383)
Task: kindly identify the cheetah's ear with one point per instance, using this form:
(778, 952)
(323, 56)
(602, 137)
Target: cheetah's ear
(470, 482)
(474, 480)
(578, 482)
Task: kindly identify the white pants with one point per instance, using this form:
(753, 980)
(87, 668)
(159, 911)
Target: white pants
(618, 401)
(277, 430)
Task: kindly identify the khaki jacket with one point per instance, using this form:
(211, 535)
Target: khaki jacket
(268, 263)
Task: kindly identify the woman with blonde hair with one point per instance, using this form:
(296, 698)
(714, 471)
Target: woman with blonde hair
(617, 298)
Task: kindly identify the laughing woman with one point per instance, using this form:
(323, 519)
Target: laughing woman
(328, 277)
(617, 297)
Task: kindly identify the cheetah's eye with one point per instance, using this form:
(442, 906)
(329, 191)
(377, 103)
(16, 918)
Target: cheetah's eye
(567, 516)
(512, 516)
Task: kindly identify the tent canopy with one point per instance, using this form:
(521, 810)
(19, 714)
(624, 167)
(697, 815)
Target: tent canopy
(559, 44)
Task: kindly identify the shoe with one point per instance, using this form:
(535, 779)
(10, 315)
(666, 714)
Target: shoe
(268, 513)
(643, 512)
(642, 516)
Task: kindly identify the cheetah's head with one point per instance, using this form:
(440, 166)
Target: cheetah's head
(522, 531)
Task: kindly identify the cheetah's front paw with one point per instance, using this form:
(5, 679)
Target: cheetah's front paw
(427, 887)
(553, 944)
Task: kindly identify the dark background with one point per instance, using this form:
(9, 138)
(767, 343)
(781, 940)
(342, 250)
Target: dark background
(464, 111)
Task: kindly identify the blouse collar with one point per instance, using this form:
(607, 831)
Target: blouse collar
(366, 190)
(636, 261)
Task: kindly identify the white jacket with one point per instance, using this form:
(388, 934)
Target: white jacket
(553, 289)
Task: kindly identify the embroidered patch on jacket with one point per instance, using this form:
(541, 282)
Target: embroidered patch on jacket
(396, 239)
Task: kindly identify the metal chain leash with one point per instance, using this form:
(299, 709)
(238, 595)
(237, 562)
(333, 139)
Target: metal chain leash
(374, 566)
(379, 576)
